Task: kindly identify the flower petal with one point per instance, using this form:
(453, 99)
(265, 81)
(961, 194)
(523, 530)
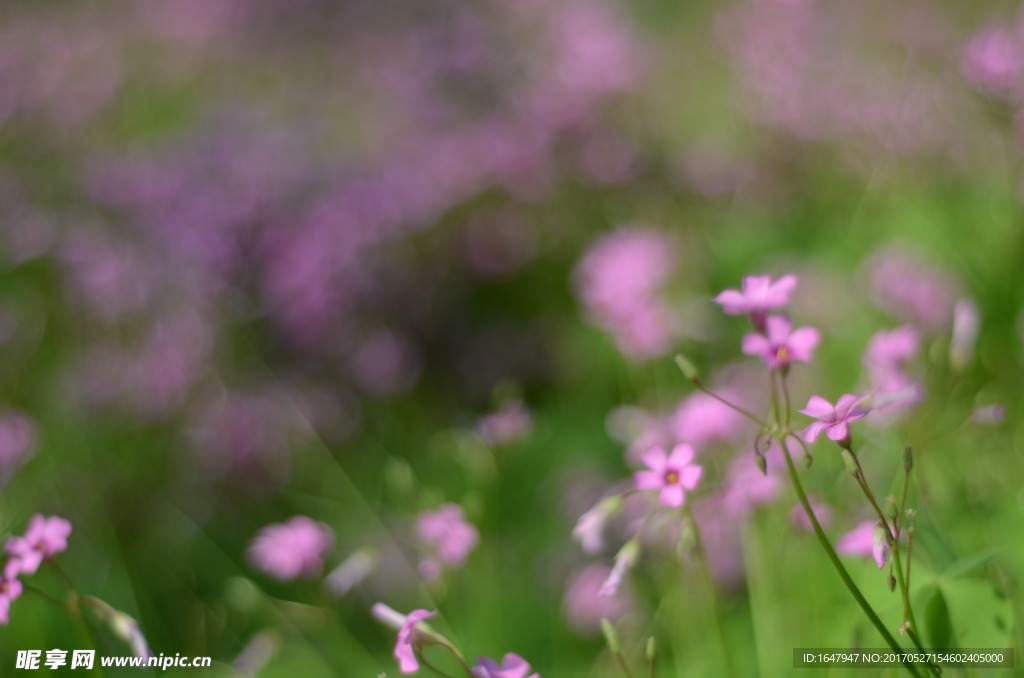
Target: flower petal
(812, 432)
(732, 302)
(682, 455)
(802, 342)
(672, 495)
(838, 431)
(819, 408)
(690, 476)
(756, 344)
(654, 459)
(648, 480)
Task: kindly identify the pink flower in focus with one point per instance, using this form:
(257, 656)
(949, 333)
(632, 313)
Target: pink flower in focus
(779, 346)
(867, 540)
(44, 538)
(512, 666)
(10, 588)
(293, 549)
(672, 474)
(447, 534)
(404, 652)
(833, 420)
(759, 295)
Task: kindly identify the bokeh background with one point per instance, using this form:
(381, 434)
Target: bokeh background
(356, 259)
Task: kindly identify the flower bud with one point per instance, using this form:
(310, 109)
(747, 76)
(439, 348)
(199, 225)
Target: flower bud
(688, 369)
(761, 462)
(891, 509)
(880, 544)
(650, 652)
(909, 522)
(851, 463)
(610, 636)
(908, 457)
(891, 581)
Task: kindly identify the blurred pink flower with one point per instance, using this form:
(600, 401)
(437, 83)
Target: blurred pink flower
(779, 346)
(904, 285)
(17, 441)
(43, 538)
(447, 534)
(758, 296)
(509, 424)
(821, 511)
(585, 607)
(673, 474)
(892, 347)
(745, 485)
(512, 666)
(619, 282)
(994, 62)
(834, 420)
(700, 419)
(293, 549)
(10, 589)
(404, 652)
(866, 540)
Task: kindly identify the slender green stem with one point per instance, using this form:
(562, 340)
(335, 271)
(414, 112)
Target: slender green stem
(903, 507)
(624, 665)
(785, 397)
(709, 584)
(834, 558)
(749, 415)
(423, 660)
(46, 596)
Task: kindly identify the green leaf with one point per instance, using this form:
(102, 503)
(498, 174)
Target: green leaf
(938, 626)
(968, 563)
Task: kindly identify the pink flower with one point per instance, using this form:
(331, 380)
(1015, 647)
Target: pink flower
(404, 652)
(867, 540)
(994, 61)
(447, 534)
(44, 538)
(10, 588)
(512, 666)
(822, 512)
(585, 607)
(833, 420)
(779, 346)
(887, 349)
(672, 474)
(759, 296)
(289, 550)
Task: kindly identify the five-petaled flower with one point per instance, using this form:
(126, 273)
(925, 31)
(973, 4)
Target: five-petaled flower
(405, 651)
(759, 295)
(834, 420)
(512, 666)
(43, 538)
(673, 474)
(780, 346)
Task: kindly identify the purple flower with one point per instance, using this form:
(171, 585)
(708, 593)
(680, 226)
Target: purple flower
(585, 607)
(867, 540)
(780, 346)
(404, 652)
(512, 666)
(759, 296)
(10, 588)
(673, 474)
(43, 538)
(447, 534)
(293, 549)
(833, 420)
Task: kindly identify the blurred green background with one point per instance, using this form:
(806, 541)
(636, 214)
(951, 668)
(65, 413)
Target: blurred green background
(275, 260)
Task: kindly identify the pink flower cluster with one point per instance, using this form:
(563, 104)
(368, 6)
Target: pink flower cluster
(44, 538)
(293, 549)
(774, 341)
(620, 282)
(448, 538)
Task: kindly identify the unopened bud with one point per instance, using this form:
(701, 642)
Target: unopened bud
(761, 462)
(909, 522)
(880, 544)
(891, 509)
(851, 463)
(892, 582)
(908, 457)
(610, 636)
(688, 369)
(650, 649)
